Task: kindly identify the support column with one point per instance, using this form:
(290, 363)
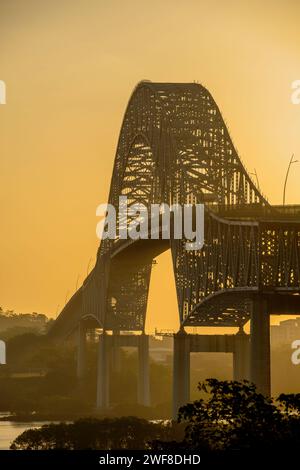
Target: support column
(260, 346)
(103, 371)
(241, 356)
(116, 352)
(143, 371)
(181, 371)
(81, 350)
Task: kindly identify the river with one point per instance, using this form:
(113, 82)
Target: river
(9, 430)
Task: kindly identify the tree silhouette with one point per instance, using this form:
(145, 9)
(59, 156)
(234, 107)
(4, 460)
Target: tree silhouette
(236, 416)
(92, 433)
(229, 416)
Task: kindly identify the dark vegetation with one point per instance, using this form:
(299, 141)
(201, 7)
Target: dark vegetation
(39, 381)
(13, 324)
(228, 416)
(90, 433)
(232, 415)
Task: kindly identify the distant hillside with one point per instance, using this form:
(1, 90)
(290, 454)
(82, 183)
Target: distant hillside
(13, 324)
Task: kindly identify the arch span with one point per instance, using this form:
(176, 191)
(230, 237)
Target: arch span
(174, 147)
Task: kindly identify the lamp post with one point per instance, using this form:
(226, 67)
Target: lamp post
(287, 174)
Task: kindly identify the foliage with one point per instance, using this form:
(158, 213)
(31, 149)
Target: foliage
(14, 324)
(228, 416)
(236, 416)
(91, 433)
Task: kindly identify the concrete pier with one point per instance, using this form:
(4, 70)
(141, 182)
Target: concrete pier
(81, 350)
(143, 370)
(184, 344)
(103, 371)
(260, 346)
(109, 350)
(116, 352)
(241, 356)
(181, 371)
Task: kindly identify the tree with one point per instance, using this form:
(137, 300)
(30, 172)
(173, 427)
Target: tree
(91, 433)
(236, 416)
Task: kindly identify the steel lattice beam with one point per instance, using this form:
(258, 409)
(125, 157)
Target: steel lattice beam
(174, 147)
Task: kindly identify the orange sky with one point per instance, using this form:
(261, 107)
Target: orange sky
(70, 66)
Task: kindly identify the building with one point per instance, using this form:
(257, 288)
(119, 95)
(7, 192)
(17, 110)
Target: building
(286, 332)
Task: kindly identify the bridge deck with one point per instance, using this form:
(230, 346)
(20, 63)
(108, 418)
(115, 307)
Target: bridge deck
(258, 212)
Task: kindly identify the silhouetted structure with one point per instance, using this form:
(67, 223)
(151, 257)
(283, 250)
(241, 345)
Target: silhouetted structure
(174, 147)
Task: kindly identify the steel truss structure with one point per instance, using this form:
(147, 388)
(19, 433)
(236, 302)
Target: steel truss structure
(174, 147)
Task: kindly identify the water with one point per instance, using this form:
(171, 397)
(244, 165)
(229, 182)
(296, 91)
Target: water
(9, 430)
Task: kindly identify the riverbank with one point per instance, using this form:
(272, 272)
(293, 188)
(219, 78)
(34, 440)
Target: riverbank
(38, 417)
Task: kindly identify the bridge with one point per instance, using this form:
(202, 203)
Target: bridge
(174, 147)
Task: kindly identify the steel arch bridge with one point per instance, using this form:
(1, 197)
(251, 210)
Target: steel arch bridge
(174, 147)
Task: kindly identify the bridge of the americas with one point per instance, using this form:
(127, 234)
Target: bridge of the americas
(174, 147)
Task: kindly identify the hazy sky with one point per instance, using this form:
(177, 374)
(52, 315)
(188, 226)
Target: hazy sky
(70, 66)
